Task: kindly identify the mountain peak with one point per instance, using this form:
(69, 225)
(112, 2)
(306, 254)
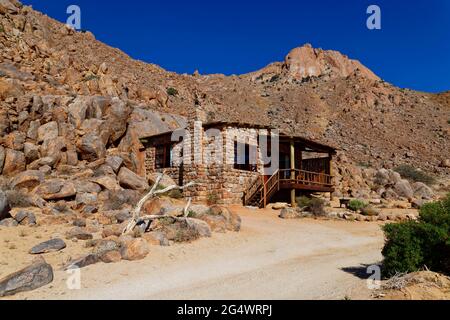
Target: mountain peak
(306, 61)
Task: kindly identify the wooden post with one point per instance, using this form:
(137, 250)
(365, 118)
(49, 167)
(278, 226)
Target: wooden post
(331, 173)
(293, 204)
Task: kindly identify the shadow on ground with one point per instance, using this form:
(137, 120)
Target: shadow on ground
(364, 271)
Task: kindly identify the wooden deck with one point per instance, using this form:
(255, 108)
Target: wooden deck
(260, 193)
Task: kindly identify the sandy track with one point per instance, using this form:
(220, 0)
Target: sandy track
(269, 259)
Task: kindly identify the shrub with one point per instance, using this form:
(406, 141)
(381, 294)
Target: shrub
(410, 173)
(357, 205)
(275, 78)
(212, 199)
(303, 202)
(172, 92)
(192, 214)
(315, 205)
(411, 246)
(175, 194)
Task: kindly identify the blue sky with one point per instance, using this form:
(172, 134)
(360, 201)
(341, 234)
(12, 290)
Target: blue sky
(412, 50)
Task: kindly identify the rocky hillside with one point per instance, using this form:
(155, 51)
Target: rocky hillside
(46, 67)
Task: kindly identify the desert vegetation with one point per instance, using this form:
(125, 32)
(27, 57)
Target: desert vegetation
(423, 244)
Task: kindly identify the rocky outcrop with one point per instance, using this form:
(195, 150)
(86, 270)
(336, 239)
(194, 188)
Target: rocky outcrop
(306, 62)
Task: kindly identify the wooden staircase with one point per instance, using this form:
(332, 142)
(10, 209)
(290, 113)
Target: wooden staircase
(260, 193)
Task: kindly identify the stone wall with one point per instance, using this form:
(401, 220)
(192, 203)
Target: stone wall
(211, 163)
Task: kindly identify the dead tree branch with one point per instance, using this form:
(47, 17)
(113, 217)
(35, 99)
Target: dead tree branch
(136, 219)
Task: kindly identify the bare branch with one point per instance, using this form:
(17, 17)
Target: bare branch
(136, 219)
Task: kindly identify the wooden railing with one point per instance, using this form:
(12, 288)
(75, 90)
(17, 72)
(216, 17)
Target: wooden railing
(267, 190)
(255, 187)
(306, 177)
(271, 186)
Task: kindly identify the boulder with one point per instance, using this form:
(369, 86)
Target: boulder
(217, 223)
(14, 162)
(166, 181)
(27, 180)
(370, 211)
(111, 257)
(79, 223)
(53, 245)
(86, 186)
(4, 206)
(48, 131)
(42, 162)
(445, 163)
(8, 223)
(200, 226)
(31, 152)
(422, 191)
(289, 213)
(83, 262)
(199, 209)
(77, 112)
(32, 132)
(25, 218)
(79, 234)
(14, 141)
(86, 198)
(179, 231)
(128, 179)
(156, 238)
(56, 189)
(108, 183)
(112, 231)
(37, 275)
(114, 162)
(91, 147)
(134, 249)
(403, 189)
(279, 206)
(104, 246)
(221, 219)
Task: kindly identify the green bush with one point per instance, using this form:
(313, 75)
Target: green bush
(303, 202)
(172, 92)
(212, 199)
(410, 173)
(315, 205)
(411, 246)
(356, 205)
(192, 214)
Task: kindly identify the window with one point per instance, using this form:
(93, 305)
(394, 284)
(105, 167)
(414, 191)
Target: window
(243, 159)
(163, 157)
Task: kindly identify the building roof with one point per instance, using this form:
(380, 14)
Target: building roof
(283, 136)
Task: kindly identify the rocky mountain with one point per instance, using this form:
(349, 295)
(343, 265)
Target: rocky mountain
(56, 82)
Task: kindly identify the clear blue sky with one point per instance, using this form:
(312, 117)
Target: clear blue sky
(228, 36)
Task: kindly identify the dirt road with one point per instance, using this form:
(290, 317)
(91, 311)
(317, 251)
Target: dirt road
(269, 259)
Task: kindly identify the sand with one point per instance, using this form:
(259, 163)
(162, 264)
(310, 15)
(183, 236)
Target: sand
(270, 258)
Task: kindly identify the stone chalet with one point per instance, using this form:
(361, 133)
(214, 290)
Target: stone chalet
(240, 163)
